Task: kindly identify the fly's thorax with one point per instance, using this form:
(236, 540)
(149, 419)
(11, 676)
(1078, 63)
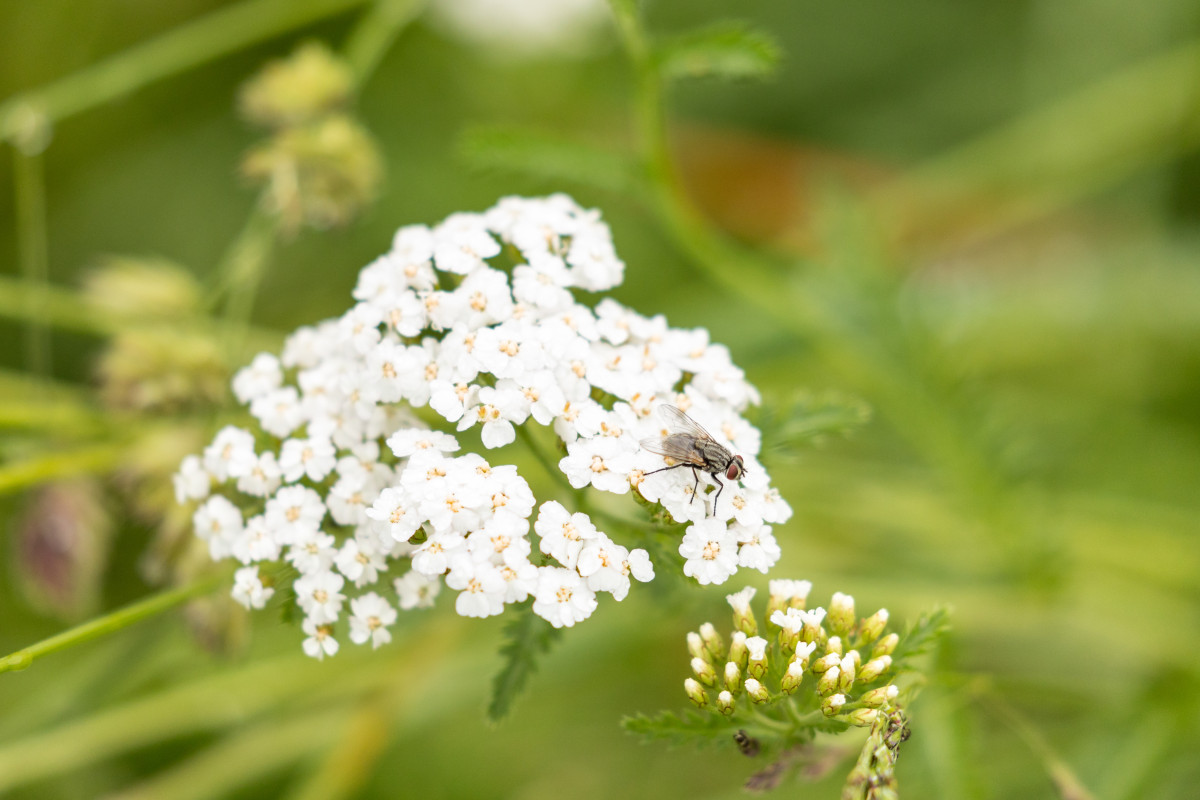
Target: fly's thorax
(716, 458)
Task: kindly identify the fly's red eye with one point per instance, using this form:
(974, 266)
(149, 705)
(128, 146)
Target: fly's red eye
(735, 469)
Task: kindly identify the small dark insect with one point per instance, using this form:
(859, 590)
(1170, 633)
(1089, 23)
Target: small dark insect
(747, 744)
(691, 446)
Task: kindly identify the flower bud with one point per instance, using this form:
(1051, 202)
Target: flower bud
(757, 647)
(877, 698)
(756, 691)
(792, 678)
(841, 614)
(704, 672)
(813, 632)
(725, 703)
(785, 594)
(874, 668)
(713, 643)
(846, 680)
(825, 662)
(834, 645)
(308, 84)
(831, 705)
(828, 683)
(886, 645)
(733, 677)
(857, 658)
(695, 645)
(872, 627)
(803, 653)
(738, 652)
(863, 717)
(695, 692)
(743, 617)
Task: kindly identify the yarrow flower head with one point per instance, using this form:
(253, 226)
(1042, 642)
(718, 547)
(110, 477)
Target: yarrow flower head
(355, 473)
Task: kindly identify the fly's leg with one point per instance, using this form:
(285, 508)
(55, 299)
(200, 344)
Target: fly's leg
(696, 475)
(718, 494)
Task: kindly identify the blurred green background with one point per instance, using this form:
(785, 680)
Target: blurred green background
(987, 217)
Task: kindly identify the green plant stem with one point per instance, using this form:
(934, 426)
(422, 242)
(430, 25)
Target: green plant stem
(548, 466)
(113, 622)
(217, 34)
(80, 461)
(29, 189)
(370, 40)
(241, 271)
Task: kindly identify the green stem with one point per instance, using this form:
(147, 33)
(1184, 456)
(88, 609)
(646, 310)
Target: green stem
(370, 40)
(544, 460)
(29, 188)
(84, 460)
(115, 621)
(217, 34)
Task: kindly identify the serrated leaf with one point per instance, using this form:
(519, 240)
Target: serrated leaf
(922, 635)
(804, 419)
(554, 158)
(690, 727)
(528, 638)
(727, 50)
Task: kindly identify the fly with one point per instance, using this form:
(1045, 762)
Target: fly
(689, 445)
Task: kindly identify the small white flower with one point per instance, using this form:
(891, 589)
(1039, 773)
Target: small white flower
(416, 590)
(562, 533)
(396, 513)
(758, 548)
(263, 375)
(740, 601)
(370, 616)
(359, 561)
(218, 522)
(256, 542)
(562, 598)
(603, 462)
(786, 591)
(230, 454)
(192, 481)
(248, 589)
(433, 557)
(406, 441)
(320, 641)
(461, 243)
(481, 586)
(262, 476)
(279, 411)
(311, 458)
(711, 551)
(294, 514)
(320, 595)
(313, 555)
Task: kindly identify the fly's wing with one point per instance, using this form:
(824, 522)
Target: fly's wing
(679, 422)
(680, 447)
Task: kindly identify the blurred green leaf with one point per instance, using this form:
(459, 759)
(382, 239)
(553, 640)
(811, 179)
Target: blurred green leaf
(922, 635)
(690, 727)
(805, 419)
(729, 50)
(528, 637)
(548, 156)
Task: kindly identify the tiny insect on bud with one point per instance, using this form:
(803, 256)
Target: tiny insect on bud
(725, 703)
(748, 745)
(695, 692)
(756, 691)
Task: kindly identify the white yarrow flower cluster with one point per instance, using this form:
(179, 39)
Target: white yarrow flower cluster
(346, 484)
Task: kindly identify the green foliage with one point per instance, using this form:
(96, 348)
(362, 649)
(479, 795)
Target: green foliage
(727, 50)
(528, 637)
(805, 419)
(548, 157)
(691, 727)
(922, 635)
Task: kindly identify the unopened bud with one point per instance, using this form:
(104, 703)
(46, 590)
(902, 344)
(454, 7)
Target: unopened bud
(828, 683)
(743, 617)
(704, 672)
(856, 657)
(738, 652)
(841, 614)
(803, 653)
(785, 594)
(872, 627)
(863, 717)
(831, 705)
(825, 662)
(756, 691)
(713, 643)
(757, 647)
(733, 677)
(846, 680)
(874, 668)
(695, 645)
(877, 698)
(813, 632)
(886, 646)
(834, 645)
(695, 692)
(725, 703)
(792, 678)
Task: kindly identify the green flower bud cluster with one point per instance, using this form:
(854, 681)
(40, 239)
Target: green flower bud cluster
(805, 665)
(319, 167)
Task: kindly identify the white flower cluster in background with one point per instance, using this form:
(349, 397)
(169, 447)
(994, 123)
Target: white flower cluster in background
(343, 480)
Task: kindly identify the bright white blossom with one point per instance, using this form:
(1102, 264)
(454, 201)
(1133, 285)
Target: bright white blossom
(360, 469)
